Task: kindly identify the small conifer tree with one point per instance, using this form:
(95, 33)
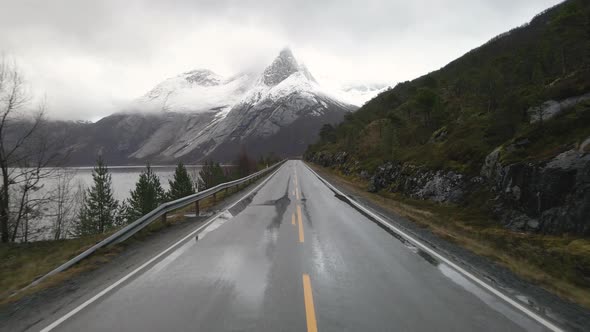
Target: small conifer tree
(181, 184)
(147, 195)
(98, 212)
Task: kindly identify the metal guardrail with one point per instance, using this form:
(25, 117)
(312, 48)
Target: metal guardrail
(158, 213)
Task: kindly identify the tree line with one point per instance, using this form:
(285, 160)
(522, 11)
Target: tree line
(101, 212)
(453, 117)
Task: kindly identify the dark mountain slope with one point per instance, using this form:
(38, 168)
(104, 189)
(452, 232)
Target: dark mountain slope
(510, 119)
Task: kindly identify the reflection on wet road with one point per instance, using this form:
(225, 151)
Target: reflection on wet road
(297, 256)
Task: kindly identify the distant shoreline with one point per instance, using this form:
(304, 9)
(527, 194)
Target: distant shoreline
(134, 166)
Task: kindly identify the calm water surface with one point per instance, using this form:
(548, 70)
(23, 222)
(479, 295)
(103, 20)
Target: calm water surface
(125, 177)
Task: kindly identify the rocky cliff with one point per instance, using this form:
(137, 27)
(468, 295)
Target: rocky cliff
(547, 194)
(550, 196)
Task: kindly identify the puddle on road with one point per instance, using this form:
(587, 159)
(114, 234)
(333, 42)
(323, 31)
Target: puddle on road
(531, 303)
(220, 220)
(281, 204)
(242, 204)
(491, 300)
(426, 256)
(228, 214)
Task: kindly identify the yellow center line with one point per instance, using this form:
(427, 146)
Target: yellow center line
(297, 192)
(293, 219)
(312, 325)
(301, 237)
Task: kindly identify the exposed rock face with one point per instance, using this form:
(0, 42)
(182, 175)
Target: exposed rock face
(551, 108)
(282, 67)
(551, 197)
(438, 186)
(413, 181)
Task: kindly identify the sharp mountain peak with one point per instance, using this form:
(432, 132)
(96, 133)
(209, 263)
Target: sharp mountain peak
(283, 66)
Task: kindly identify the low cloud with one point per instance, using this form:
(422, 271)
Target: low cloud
(90, 57)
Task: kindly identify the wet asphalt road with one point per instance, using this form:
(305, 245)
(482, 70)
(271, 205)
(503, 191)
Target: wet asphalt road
(259, 268)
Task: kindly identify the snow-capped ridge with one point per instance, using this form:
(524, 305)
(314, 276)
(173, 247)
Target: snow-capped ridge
(283, 66)
(241, 107)
(200, 114)
(202, 90)
(202, 77)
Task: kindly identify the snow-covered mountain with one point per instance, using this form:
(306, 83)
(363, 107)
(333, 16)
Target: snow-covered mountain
(196, 91)
(359, 93)
(200, 114)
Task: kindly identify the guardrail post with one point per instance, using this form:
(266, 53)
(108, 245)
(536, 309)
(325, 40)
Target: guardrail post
(197, 212)
(214, 198)
(164, 218)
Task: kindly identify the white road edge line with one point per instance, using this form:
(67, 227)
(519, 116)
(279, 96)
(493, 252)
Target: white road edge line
(473, 278)
(137, 270)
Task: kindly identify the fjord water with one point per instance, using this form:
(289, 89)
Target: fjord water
(125, 177)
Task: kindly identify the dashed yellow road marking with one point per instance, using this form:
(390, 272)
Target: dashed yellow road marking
(297, 192)
(312, 325)
(293, 218)
(301, 237)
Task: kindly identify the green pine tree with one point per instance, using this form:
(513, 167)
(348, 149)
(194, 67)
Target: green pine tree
(181, 185)
(211, 175)
(98, 212)
(147, 195)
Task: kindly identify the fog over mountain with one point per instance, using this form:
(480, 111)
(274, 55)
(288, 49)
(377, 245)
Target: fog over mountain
(199, 115)
(91, 58)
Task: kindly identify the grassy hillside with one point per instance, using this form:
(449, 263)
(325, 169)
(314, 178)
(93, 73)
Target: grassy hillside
(452, 118)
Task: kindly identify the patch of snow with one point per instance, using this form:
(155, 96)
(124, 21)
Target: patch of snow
(195, 91)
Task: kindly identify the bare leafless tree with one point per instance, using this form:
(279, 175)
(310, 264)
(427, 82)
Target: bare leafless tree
(24, 153)
(193, 172)
(64, 204)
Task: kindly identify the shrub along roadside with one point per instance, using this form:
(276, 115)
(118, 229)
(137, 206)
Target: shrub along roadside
(560, 264)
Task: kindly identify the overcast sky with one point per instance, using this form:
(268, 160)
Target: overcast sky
(90, 57)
